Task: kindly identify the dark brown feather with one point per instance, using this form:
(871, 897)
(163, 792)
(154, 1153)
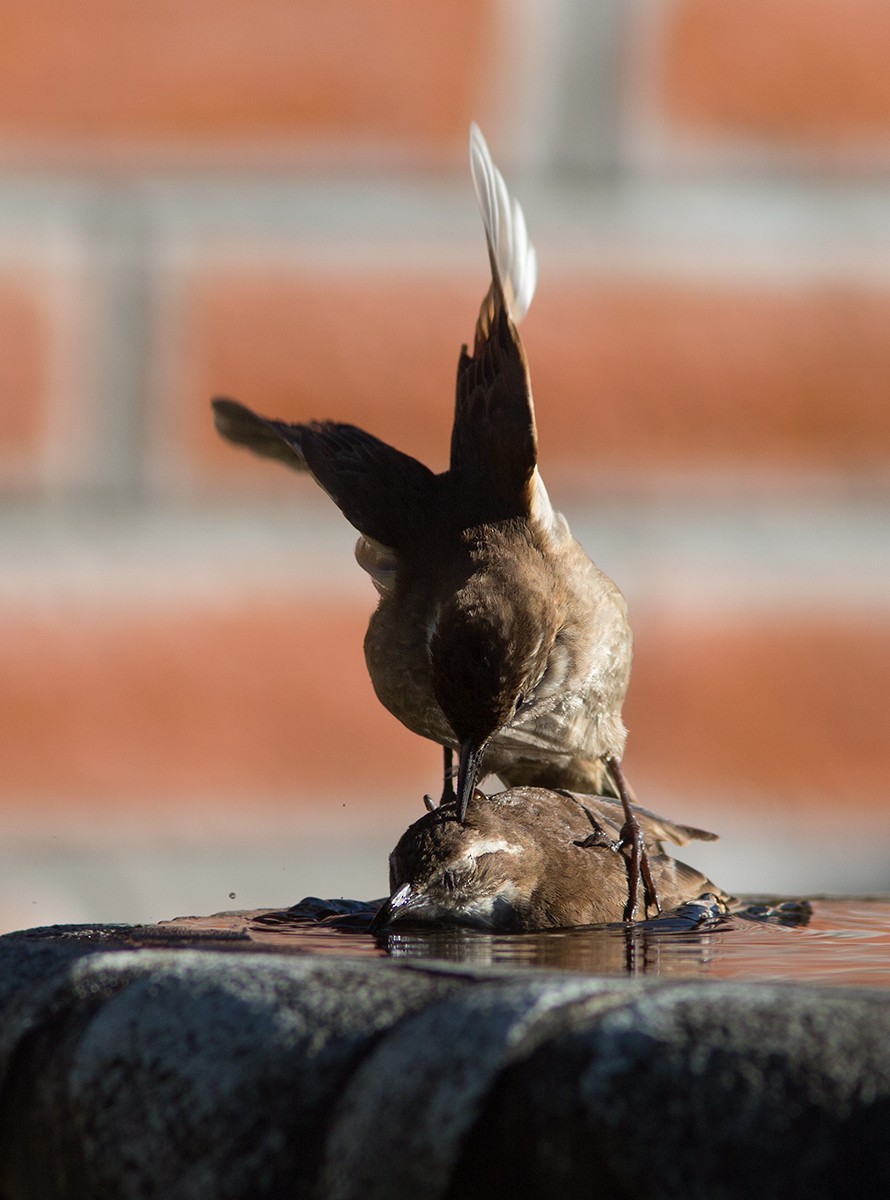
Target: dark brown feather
(494, 446)
(385, 494)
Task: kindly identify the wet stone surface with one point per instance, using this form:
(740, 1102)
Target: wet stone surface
(223, 1058)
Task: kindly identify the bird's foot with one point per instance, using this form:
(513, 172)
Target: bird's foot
(599, 838)
(632, 839)
(448, 776)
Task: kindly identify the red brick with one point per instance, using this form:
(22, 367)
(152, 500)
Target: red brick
(270, 707)
(378, 351)
(804, 71)
(120, 707)
(25, 350)
(684, 375)
(792, 711)
(224, 71)
(629, 376)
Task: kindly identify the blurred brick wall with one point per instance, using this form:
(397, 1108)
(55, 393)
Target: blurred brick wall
(272, 202)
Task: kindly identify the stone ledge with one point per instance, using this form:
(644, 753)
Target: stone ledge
(192, 1072)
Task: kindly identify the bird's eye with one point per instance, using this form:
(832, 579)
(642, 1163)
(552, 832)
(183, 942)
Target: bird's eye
(449, 879)
(520, 700)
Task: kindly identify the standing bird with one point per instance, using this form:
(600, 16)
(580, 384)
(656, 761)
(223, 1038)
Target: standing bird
(495, 634)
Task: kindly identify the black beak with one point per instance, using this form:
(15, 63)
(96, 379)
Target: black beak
(404, 898)
(467, 775)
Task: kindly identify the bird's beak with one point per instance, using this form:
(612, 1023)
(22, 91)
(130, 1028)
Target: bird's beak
(467, 775)
(401, 901)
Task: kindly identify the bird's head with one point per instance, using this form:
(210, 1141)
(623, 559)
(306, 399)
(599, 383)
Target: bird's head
(489, 649)
(480, 873)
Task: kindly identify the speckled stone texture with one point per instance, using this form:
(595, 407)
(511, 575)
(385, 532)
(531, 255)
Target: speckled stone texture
(133, 1066)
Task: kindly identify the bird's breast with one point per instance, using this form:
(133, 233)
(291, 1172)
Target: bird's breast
(398, 662)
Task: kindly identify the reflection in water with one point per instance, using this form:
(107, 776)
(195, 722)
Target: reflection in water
(601, 951)
(840, 941)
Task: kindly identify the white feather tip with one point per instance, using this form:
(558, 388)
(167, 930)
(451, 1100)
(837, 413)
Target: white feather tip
(513, 255)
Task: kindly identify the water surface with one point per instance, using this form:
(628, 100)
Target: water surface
(827, 940)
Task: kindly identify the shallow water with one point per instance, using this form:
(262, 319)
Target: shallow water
(843, 941)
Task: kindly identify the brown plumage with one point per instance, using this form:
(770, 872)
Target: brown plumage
(530, 859)
(495, 634)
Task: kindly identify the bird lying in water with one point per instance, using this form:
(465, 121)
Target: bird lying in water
(530, 859)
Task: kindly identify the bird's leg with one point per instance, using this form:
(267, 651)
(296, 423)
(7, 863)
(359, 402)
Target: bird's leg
(632, 836)
(448, 776)
(448, 792)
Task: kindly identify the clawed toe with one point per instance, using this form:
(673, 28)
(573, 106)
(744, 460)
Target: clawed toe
(599, 838)
(632, 839)
(639, 869)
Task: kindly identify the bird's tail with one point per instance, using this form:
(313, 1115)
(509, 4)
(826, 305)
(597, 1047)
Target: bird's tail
(494, 448)
(514, 264)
